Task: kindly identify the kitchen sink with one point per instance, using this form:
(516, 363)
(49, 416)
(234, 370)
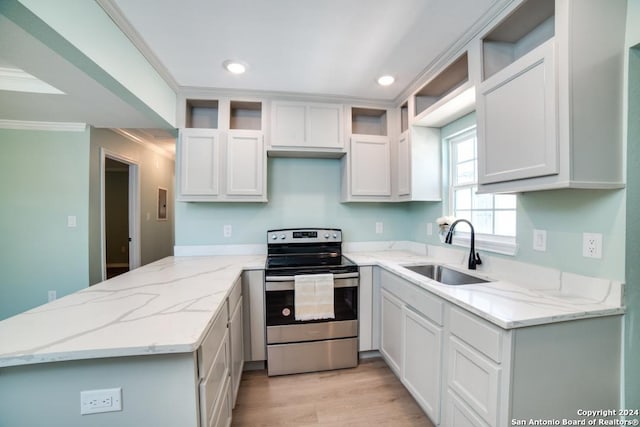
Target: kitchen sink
(445, 275)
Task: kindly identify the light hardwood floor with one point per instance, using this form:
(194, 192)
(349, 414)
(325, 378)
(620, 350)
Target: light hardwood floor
(368, 395)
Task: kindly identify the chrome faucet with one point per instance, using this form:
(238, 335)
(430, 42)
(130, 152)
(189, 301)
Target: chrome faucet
(474, 257)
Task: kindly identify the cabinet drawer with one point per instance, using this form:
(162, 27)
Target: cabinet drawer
(222, 416)
(212, 386)
(212, 342)
(477, 332)
(459, 414)
(234, 296)
(475, 379)
(419, 299)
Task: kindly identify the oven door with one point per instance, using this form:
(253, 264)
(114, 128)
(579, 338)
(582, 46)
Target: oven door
(280, 314)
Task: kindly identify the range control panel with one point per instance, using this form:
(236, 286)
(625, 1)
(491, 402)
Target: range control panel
(304, 235)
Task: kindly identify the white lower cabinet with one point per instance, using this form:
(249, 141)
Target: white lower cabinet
(391, 330)
(463, 370)
(237, 349)
(411, 340)
(220, 362)
(475, 378)
(422, 361)
(458, 414)
(214, 369)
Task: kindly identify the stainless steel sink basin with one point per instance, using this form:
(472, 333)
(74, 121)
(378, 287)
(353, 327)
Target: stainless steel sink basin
(445, 275)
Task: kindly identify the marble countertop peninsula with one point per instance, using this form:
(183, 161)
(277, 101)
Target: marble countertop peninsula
(167, 306)
(518, 294)
(163, 307)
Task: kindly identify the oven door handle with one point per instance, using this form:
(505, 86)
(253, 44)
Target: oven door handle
(289, 285)
(292, 278)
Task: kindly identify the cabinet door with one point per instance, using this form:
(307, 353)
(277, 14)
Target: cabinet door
(288, 124)
(199, 162)
(517, 120)
(475, 379)
(404, 165)
(245, 163)
(365, 309)
(391, 330)
(255, 346)
(422, 361)
(370, 166)
(236, 337)
(324, 126)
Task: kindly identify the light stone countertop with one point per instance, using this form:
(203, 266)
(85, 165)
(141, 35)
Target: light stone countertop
(167, 306)
(163, 307)
(548, 296)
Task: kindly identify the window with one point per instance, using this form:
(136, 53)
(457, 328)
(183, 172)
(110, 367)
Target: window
(493, 215)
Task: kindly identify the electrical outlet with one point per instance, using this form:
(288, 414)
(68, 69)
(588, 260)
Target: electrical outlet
(379, 228)
(540, 240)
(51, 296)
(429, 228)
(105, 400)
(592, 245)
(227, 230)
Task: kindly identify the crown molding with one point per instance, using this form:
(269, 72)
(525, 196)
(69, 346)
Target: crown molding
(48, 126)
(453, 50)
(134, 136)
(116, 15)
(17, 80)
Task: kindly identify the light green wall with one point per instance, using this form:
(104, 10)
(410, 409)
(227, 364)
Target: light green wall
(302, 193)
(632, 291)
(155, 171)
(85, 36)
(44, 178)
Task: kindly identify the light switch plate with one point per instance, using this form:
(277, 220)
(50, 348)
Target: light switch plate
(379, 228)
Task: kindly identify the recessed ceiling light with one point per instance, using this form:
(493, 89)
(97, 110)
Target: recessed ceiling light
(386, 80)
(234, 67)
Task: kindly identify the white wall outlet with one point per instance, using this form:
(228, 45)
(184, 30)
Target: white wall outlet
(379, 228)
(51, 296)
(227, 230)
(592, 245)
(105, 400)
(72, 221)
(540, 240)
(429, 228)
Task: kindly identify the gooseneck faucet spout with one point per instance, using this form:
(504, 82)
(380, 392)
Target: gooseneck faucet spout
(474, 257)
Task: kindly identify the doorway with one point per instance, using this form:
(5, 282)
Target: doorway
(119, 215)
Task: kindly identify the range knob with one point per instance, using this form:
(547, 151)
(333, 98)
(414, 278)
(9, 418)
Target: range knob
(282, 236)
(326, 236)
(274, 237)
(335, 235)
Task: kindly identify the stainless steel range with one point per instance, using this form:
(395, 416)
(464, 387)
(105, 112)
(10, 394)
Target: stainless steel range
(330, 340)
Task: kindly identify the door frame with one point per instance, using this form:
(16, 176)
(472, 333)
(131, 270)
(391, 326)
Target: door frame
(134, 210)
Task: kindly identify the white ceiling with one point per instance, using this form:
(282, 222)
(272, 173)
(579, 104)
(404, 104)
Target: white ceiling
(328, 47)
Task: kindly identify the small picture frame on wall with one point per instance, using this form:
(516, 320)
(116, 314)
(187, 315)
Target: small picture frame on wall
(162, 204)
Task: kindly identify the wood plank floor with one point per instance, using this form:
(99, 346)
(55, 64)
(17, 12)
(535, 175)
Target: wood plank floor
(368, 395)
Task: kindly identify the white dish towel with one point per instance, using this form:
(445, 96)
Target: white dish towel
(313, 296)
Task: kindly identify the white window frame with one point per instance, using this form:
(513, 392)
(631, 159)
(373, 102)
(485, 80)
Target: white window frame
(506, 245)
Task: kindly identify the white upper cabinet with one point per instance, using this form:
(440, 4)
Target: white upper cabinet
(549, 105)
(220, 154)
(307, 128)
(245, 163)
(199, 154)
(367, 166)
(370, 166)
